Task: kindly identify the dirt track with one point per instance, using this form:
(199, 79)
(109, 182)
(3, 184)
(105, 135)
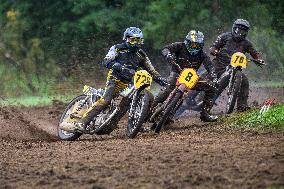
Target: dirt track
(190, 154)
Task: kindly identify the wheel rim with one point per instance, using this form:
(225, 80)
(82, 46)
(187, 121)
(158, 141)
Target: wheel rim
(102, 117)
(137, 111)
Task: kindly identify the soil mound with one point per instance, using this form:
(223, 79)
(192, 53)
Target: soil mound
(21, 123)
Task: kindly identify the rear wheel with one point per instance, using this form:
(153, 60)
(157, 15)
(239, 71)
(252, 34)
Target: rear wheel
(234, 91)
(108, 119)
(139, 110)
(106, 122)
(168, 111)
(65, 117)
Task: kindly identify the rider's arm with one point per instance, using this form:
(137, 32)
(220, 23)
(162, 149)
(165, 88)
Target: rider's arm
(218, 44)
(252, 51)
(110, 57)
(209, 67)
(147, 65)
(169, 51)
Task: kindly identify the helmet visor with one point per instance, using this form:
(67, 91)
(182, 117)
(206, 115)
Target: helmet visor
(241, 31)
(135, 40)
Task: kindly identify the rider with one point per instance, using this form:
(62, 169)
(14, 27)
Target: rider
(224, 47)
(189, 54)
(122, 59)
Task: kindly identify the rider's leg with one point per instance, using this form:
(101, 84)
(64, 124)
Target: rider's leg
(207, 101)
(223, 82)
(242, 103)
(110, 92)
(164, 93)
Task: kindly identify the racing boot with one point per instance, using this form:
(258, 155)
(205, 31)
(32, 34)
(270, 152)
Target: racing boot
(205, 116)
(243, 108)
(242, 104)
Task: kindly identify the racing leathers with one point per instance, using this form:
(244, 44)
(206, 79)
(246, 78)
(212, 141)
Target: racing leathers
(122, 61)
(223, 48)
(179, 58)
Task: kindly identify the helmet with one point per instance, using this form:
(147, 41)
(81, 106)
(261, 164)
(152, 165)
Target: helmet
(240, 29)
(133, 37)
(194, 42)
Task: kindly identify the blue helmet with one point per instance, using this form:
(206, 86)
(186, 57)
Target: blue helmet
(133, 37)
(194, 42)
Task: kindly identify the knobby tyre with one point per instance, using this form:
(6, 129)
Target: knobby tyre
(236, 87)
(138, 113)
(168, 110)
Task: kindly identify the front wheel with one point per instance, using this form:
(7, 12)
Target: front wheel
(65, 117)
(139, 110)
(168, 110)
(234, 91)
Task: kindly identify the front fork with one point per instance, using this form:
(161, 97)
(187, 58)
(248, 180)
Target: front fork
(181, 88)
(231, 81)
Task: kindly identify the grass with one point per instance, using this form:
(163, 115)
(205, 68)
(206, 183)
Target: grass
(271, 84)
(252, 120)
(34, 100)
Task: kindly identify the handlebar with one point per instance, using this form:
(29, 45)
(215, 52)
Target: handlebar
(257, 62)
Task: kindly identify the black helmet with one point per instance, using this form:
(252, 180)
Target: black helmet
(194, 42)
(240, 29)
(133, 37)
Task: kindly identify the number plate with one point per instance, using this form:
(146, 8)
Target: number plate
(239, 60)
(141, 78)
(188, 77)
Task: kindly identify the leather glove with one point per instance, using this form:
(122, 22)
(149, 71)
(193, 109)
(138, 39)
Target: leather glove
(213, 51)
(170, 57)
(117, 67)
(161, 81)
(261, 62)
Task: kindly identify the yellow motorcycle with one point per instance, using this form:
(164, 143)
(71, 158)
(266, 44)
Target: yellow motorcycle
(185, 82)
(140, 104)
(136, 93)
(234, 73)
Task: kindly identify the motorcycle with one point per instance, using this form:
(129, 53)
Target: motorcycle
(136, 93)
(165, 111)
(234, 73)
(232, 78)
(140, 104)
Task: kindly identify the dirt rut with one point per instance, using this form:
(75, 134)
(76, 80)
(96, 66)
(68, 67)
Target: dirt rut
(188, 154)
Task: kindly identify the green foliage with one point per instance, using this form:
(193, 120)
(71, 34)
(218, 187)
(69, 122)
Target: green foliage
(43, 43)
(271, 120)
(34, 100)
(23, 62)
(267, 41)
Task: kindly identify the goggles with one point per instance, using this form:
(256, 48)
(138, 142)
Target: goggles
(135, 40)
(194, 45)
(241, 31)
